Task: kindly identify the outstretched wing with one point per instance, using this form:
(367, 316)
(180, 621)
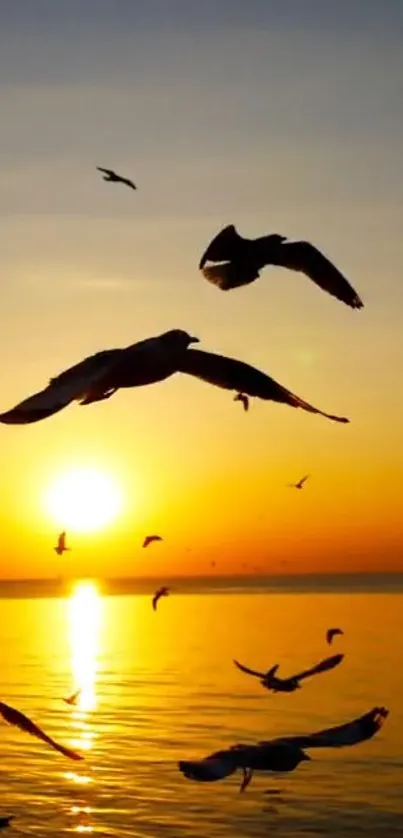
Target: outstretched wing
(69, 386)
(230, 374)
(228, 275)
(14, 717)
(322, 666)
(128, 182)
(303, 480)
(214, 767)
(249, 671)
(365, 727)
(224, 247)
(61, 542)
(105, 171)
(304, 257)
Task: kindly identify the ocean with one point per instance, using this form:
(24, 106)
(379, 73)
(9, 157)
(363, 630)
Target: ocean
(161, 686)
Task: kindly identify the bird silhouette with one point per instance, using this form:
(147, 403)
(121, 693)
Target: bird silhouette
(240, 397)
(14, 717)
(157, 596)
(61, 545)
(283, 753)
(72, 699)
(5, 821)
(270, 680)
(150, 538)
(242, 259)
(331, 633)
(300, 484)
(100, 376)
(111, 177)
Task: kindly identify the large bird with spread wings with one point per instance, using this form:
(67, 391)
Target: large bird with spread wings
(146, 362)
(282, 754)
(61, 545)
(112, 177)
(272, 682)
(241, 260)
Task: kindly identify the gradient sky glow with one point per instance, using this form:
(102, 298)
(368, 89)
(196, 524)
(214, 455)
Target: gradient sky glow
(279, 117)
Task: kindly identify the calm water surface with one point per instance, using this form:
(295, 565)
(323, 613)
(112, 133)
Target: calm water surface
(162, 687)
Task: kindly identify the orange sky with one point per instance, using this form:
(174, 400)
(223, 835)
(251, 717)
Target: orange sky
(275, 124)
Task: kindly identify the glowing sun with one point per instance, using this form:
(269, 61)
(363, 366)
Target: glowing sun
(83, 500)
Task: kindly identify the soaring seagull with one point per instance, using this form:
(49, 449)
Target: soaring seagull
(111, 177)
(272, 682)
(331, 633)
(158, 594)
(61, 545)
(150, 538)
(72, 699)
(281, 754)
(241, 261)
(240, 397)
(14, 717)
(155, 359)
(300, 484)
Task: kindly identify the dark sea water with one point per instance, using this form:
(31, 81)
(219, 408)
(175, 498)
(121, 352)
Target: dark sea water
(159, 687)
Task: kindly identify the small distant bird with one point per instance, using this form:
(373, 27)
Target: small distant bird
(146, 362)
(241, 261)
(61, 545)
(158, 594)
(150, 538)
(300, 484)
(240, 397)
(6, 821)
(14, 717)
(331, 633)
(281, 754)
(270, 681)
(72, 699)
(111, 177)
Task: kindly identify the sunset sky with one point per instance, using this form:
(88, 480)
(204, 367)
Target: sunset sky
(278, 117)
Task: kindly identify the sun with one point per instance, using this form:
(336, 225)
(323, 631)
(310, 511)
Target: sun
(84, 500)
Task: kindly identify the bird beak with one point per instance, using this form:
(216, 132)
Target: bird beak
(194, 340)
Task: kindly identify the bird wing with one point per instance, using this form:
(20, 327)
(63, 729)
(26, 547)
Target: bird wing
(303, 479)
(128, 182)
(358, 730)
(69, 386)
(229, 275)
(249, 671)
(14, 717)
(223, 247)
(322, 666)
(231, 374)
(155, 600)
(214, 767)
(61, 542)
(304, 257)
(73, 698)
(106, 171)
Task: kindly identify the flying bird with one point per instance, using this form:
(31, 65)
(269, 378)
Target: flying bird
(283, 753)
(6, 821)
(240, 397)
(270, 680)
(155, 359)
(61, 545)
(72, 699)
(150, 538)
(111, 177)
(242, 259)
(157, 596)
(14, 717)
(300, 484)
(331, 633)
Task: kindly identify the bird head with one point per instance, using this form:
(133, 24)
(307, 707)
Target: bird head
(177, 339)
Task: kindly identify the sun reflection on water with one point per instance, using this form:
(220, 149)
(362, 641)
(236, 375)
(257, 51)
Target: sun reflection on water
(84, 624)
